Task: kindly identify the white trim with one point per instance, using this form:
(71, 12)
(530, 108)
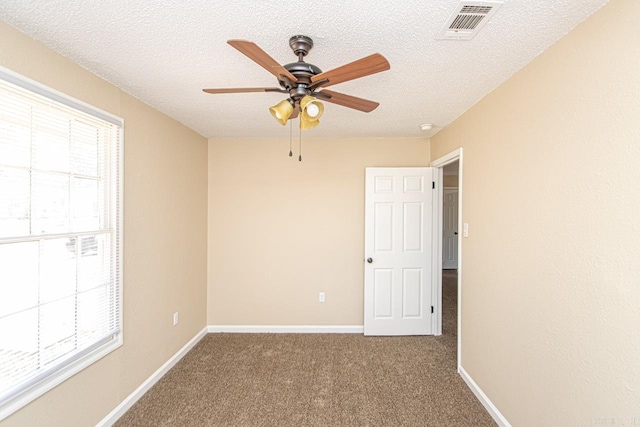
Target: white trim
(447, 158)
(440, 163)
(58, 377)
(120, 223)
(287, 329)
(54, 95)
(130, 400)
(486, 402)
(437, 251)
(436, 257)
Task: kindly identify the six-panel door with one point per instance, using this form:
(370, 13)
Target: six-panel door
(398, 240)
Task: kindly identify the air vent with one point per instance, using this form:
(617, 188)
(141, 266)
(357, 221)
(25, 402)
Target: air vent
(476, 9)
(467, 19)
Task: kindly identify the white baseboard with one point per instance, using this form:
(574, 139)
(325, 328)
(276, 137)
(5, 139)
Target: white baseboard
(129, 401)
(285, 329)
(489, 406)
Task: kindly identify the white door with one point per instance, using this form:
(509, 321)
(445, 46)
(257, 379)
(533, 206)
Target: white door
(450, 230)
(398, 252)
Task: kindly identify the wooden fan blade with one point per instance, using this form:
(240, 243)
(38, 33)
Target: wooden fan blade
(350, 101)
(260, 57)
(362, 67)
(243, 89)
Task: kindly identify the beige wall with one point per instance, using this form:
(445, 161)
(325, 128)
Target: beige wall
(551, 277)
(280, 231)
(450, 181)
(165, 188)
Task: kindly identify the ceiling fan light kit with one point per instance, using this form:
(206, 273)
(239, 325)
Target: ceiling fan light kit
(310, 112)
(282, 111)
(303, 81)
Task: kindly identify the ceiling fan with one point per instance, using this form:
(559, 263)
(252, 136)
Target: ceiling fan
(302, 81)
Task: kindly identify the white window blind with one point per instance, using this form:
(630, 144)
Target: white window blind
(60, 184)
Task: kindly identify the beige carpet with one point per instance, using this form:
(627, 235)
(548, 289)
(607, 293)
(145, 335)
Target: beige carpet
(315, 380)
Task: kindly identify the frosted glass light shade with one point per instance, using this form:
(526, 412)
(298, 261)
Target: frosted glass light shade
(310, 112)
(282, 111)
(307, 123)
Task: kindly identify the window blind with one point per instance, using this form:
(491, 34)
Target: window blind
(59, 235)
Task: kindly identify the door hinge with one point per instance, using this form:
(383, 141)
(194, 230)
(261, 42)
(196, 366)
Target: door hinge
(431, 309)
(433, 185)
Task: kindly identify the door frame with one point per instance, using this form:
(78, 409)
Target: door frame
(439, 164)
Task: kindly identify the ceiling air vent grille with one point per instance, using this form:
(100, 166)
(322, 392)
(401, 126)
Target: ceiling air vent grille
(467, 19)
(476, 9)
(466, 22)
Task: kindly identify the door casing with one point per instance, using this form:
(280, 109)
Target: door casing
(439, 164)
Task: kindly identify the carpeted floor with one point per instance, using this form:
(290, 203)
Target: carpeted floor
(323, 380)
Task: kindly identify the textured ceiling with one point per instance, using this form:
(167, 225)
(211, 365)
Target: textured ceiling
(165, 51)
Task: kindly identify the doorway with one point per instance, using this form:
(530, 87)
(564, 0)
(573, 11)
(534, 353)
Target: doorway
(449, 267)
(448, 277)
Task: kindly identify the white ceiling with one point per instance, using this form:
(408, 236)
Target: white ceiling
(165, 51)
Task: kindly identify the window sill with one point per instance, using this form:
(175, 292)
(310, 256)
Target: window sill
(27, 396)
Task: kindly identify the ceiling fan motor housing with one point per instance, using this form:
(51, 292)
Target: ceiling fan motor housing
(301, 45)
(302, 69)
(303, 72)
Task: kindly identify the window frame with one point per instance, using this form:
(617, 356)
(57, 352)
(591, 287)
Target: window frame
(98, 350)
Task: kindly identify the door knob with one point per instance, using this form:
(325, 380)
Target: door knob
(369, 260)
(455, 232)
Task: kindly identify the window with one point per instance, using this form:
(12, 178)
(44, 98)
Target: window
(60, 238)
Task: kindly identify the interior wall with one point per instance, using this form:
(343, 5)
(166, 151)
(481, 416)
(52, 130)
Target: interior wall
(165, 204)
(550, 271)
(281, 231)
(450, 181)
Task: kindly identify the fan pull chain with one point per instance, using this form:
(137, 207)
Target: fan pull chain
(300, 144)
(290, 137)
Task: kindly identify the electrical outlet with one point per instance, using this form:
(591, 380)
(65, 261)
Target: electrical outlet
(465, 230)
(175, 318)
(321, 297)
